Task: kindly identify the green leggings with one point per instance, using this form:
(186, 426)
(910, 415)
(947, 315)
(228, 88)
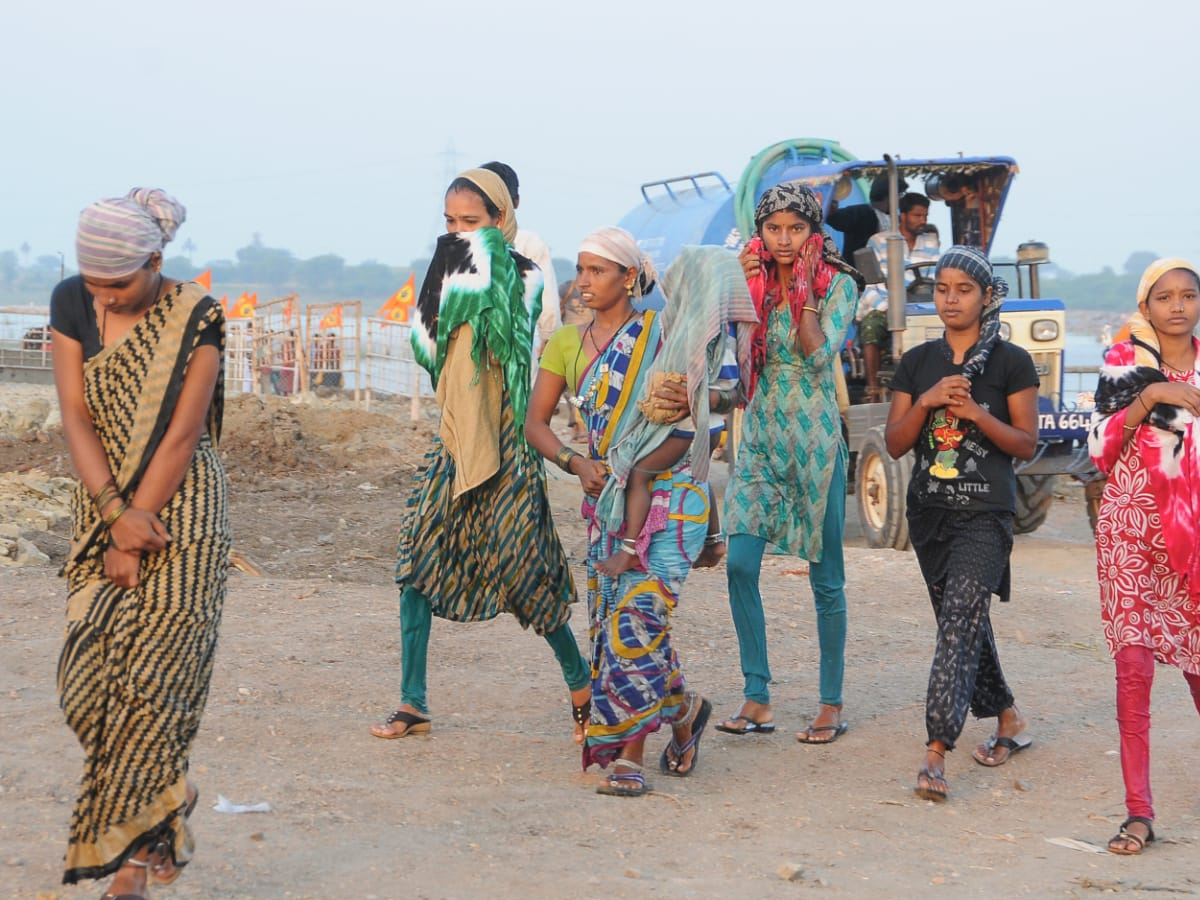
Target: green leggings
(416, 620)
(828, 581)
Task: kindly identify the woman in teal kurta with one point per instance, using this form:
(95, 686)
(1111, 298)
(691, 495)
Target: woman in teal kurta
(789, 483)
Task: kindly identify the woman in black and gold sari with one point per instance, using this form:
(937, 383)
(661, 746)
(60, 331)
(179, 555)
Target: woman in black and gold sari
(137, 364)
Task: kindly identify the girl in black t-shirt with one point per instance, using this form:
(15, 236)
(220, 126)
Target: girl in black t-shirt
(966, 404)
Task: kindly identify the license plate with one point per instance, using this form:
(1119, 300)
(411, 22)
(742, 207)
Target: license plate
(1064, 421)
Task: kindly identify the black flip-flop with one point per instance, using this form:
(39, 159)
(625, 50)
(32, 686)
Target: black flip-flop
(1012, 744)
(834, 732)
(751, 727)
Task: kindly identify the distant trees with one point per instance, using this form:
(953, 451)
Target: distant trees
(275, 272)
(8, 267)
(1138, 261)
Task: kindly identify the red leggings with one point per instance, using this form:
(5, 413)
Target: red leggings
(1135, 675)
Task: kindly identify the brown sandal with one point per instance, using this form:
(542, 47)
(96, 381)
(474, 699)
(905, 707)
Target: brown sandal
(413, 724)
(1125, 836)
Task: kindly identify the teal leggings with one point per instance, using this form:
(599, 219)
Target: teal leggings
(828, 581)
(416, 620)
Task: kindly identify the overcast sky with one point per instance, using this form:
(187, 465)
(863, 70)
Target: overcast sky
(331, 127)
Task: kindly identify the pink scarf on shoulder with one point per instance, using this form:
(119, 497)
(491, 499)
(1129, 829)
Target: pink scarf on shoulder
(811, 278)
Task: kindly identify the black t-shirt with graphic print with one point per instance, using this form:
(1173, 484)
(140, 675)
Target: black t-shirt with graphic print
(956, 466)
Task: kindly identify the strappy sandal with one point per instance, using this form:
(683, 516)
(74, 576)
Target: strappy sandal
(582, 714)
(413, 724)
(1125, 836)
(190, 807)
(137, 863)
(161, 864)
(625, 784)
(931, 783)
(698, 715)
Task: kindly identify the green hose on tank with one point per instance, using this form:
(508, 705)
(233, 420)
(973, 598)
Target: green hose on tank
(815, 148)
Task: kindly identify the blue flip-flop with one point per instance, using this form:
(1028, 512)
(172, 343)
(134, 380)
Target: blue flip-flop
(698, 725)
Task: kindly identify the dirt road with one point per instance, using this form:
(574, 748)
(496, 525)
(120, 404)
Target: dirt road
(492, 804)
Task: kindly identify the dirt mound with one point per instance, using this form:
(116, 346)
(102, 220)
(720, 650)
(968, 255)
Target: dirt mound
(316, 483)
(274, 435)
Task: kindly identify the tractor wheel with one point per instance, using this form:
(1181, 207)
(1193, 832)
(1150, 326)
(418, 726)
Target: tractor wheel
(881, 491)
(1035, 493)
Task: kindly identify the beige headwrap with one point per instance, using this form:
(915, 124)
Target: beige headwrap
(619, 246)
(1139, 325)
(493, 185)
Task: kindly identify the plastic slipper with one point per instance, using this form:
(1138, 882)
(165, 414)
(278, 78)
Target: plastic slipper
(666, 766)
(808, 735)
(413, 724)
(934, 788)
(625, 784)
(751, 727)
(1125, 836)
(984, 753)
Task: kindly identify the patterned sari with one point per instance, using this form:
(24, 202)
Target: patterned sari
(135, 666)
(637, 683)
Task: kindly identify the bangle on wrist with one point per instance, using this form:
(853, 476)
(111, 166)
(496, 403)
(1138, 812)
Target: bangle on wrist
(1130, 427)
(111, 518)
(726, 401)
(106, 495)
(564, 456)
(812, 309)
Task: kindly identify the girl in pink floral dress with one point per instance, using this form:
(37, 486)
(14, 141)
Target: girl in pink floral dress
(1146, 438)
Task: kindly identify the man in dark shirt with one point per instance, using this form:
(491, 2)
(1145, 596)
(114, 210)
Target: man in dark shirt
(857, 223)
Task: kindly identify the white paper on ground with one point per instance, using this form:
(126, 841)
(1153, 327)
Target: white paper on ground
(225, 805)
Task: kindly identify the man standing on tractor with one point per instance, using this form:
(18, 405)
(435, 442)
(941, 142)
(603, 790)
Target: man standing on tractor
(921, 244)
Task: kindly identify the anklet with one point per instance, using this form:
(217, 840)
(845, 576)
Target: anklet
(628, 545)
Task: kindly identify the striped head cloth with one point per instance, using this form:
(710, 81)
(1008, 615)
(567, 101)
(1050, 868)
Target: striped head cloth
(116, 237)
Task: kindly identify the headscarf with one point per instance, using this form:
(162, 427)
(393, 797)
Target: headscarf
(618, 245)
(1165, 451)
(116, 237)
(494, 187)
(817, 262)
(1146, 350)
(978, 267)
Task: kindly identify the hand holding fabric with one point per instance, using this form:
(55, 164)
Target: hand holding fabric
(139, 530)
(122, 568)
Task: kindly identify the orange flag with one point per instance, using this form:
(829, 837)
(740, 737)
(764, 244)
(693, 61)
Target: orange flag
(397, 307)
(225, 304)
(333, 320)
(288, 312)
(244, 308)
(204, 279)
